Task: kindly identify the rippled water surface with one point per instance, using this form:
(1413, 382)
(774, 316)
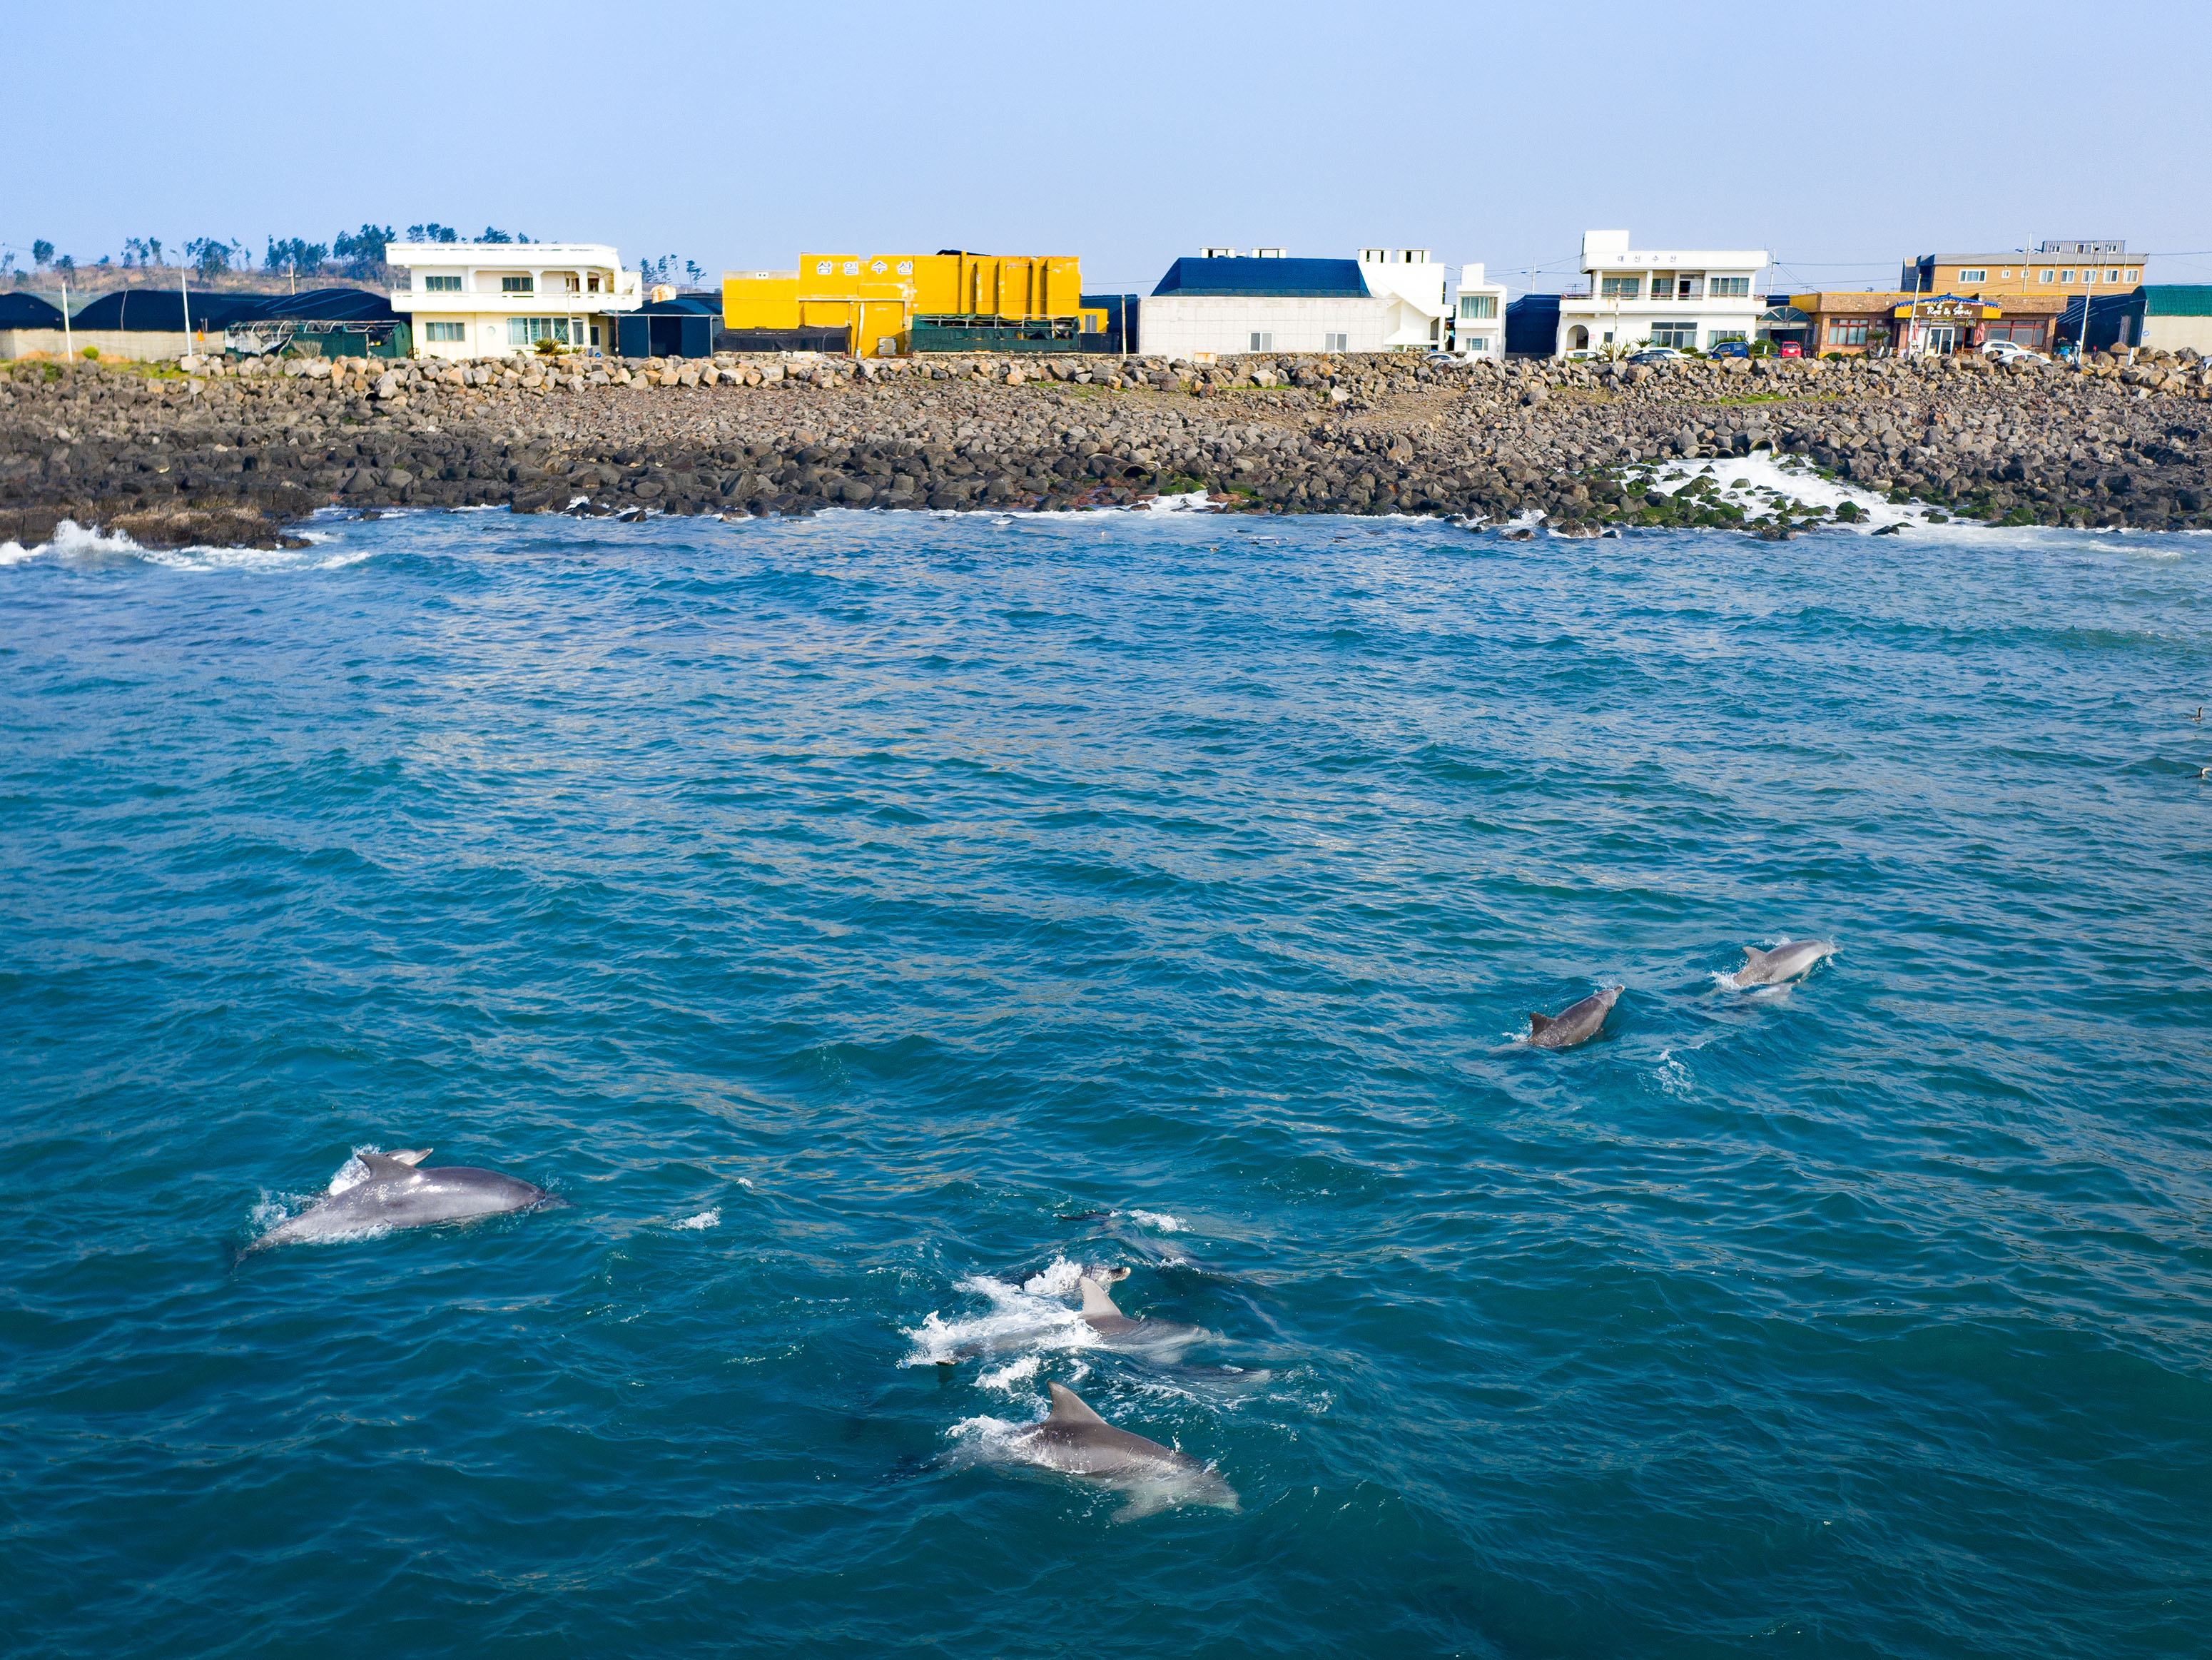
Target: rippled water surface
(867, 922)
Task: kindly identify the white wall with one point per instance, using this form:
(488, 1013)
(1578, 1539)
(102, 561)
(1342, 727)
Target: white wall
(1416, 294)
(1175, 325)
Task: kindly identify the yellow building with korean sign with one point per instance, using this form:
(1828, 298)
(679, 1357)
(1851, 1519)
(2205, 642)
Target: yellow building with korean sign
(876, 296)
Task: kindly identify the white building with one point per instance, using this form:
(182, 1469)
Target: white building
(1686, 297)
(1227, 302)
(492, 299)
(1416, 292)
(1478, 325)
(1232, 304)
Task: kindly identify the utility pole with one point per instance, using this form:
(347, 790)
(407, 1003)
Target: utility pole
(68, 337)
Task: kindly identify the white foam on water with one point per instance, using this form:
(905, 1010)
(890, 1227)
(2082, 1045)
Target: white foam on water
(1029, 1317)
(1159, 1221)
(1760, 471)
(71, 541)
(1187, 502)
(1058, 1280)
(1003, 1378)
(705, 1218)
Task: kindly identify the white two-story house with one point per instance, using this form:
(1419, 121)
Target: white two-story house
(1478, 325)
(492, 299)
(1692, 298)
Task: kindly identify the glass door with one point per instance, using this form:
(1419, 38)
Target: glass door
(1941, 338)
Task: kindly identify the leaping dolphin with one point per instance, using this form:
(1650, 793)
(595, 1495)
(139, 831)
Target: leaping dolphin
(1576, 1024)
(1076, 1441)
(396, 1194)
(1785, 961)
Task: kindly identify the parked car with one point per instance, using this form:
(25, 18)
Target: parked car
(1584, 355)
(1788, 348)
(1656, 354)
(1728, 348)
(2005, 351)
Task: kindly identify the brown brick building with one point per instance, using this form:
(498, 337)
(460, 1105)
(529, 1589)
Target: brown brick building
(2064, 269)
(1904, 324)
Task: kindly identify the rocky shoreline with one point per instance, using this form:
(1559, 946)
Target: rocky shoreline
(233, 454)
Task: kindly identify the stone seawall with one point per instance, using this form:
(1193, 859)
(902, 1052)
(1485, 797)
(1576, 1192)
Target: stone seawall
(239, 450)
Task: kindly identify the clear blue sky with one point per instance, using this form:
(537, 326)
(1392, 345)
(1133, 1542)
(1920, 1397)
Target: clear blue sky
(1845, 138)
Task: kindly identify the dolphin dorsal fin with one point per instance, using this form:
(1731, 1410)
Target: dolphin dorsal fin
(389, 1167)
(1067, 1406)
(413, 1155)
(1537, 1023)
(1095, 1298)
(1753, 956)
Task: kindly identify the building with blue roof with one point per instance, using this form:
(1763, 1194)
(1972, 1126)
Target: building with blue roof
(1225, 303)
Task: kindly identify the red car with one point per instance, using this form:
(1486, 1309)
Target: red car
(1788, 348)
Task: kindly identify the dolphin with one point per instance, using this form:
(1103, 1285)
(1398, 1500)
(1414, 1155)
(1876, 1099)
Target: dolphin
(396, 1194)
(1118, 1331)
(1576, 1024)
(1076, 1441)
(1785, 961)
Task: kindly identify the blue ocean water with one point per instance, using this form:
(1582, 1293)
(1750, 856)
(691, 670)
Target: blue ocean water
(866, 922)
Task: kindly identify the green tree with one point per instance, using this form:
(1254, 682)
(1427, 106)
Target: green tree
(42, 254)
(361, 252)
(210, 256)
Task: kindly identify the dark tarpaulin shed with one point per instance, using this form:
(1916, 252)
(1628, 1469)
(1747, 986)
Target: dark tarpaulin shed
(28, 311)
(325, 306)
(161, 310)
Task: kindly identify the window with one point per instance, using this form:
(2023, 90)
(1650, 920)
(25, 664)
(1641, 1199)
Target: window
(2135, 277)
(456, 332)
(1682, 336)
(2088, 277)
(2046, 276)
(2004, 277)
(1663, 285)
(1982, 275)
(2065, 275)
(529, 330)
(1617, 287)
(1719, 335)
(1481, 342)
(1472, 305)
(2112, 276)
(1336, 342)
(441, 285)
(1722, 288)
(591, 283)
(1847, 332)
(1263, 343)
(517, 285)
